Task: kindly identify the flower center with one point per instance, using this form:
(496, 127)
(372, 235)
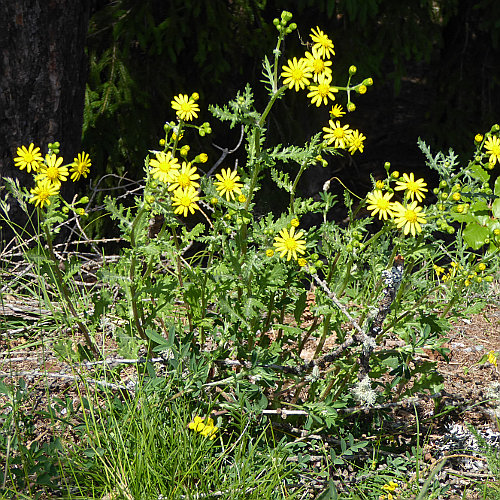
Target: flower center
(339, 133)
(411, 216)
(52, 173)
(412, 186)
(290, 244)
(183, 180)
(495, 150)
(323, 89)
(28, 158)
(229, 184)
(318, 65)
(186, 107)
(382, 204)
(297, 74)
(185, 201)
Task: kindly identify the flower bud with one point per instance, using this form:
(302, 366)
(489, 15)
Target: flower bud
(352, 70)
(478, 138)
(368, 82)
(351, 107)
(361, 89)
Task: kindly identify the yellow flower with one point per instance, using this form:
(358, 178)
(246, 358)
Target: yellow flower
(203, 157)
(355, 142)
(380, 184)
(337, 111)
(185, 200)
(28, 158)
(380, 203)
(204, 426)
(492, 358)
(337, 134)
(52, 170)
(80, 166)
(288, 243)
(492, 146)
(481, 266)
(42, 192)
(227, 183)
(302, 262)
(185, 108)
(438, 270)
(242, 198)
(321, 92)
(163, 167)
(295, 222)
(409, 217)
(318, 66)
(322, 44)
(296, 74)
(414, 188)
(269, 252)
(184, 177)
(478, 138)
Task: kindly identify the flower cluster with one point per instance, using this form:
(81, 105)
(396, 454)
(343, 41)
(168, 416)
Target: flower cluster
(313, 71)
(389, 491)
(205, 426)
(456, 271)
(49, 172)
(408, 215)
(491, 146)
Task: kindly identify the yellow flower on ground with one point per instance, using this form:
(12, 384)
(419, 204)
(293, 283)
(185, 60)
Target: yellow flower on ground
(492, 146)
(28, 159)
(355, 142)
(321, 92)
(380, 203)
(337, 111)
(227, 183)
(414, 188)
(322, 44)
(296, 74)
(185, 200)
(337, 134)
(184, 177)
(42, 192)
(164, 167)
(52, 170)
(318, 66)
(185, 108)
(290, 244)
(492, 358)
(409, 217)
(390, 487)
(204, 426)
(80, 166)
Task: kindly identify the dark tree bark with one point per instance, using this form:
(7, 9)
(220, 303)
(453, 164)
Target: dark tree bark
(42, 79)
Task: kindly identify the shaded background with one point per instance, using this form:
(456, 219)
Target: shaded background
(434, 64)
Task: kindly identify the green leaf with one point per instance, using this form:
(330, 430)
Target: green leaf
(479, 173)
(497, 187)
(300, 306)
(495, 208)
(475, 235)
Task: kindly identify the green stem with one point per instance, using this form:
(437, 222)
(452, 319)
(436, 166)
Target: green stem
(65, 294)
(294, 187)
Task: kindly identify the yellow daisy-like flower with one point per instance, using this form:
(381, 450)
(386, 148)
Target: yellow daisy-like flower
(28, 159)
(164, 167)
(337, 111)
(380, 203)
(296, 74)
(321, 92)
(492, 146)
(414, 188)
(185, 108)
(337, 134)
(185, 200)
(288, 243)
(184, 177)
(53, 170)
(318, 66)
(42, 192)
(80, 166)
(355, 142)
(322, 44)
(227, 183)
(409, 217)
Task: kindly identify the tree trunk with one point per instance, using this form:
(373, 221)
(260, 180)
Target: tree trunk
(42, 80)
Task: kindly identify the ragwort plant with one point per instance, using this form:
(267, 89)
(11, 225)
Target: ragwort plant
(202, 271)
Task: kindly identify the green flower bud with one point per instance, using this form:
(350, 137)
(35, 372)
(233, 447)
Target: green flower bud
(352, 70)
(351, 107)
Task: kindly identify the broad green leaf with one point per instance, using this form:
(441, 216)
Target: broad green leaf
(475, 235)
(479, 173)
